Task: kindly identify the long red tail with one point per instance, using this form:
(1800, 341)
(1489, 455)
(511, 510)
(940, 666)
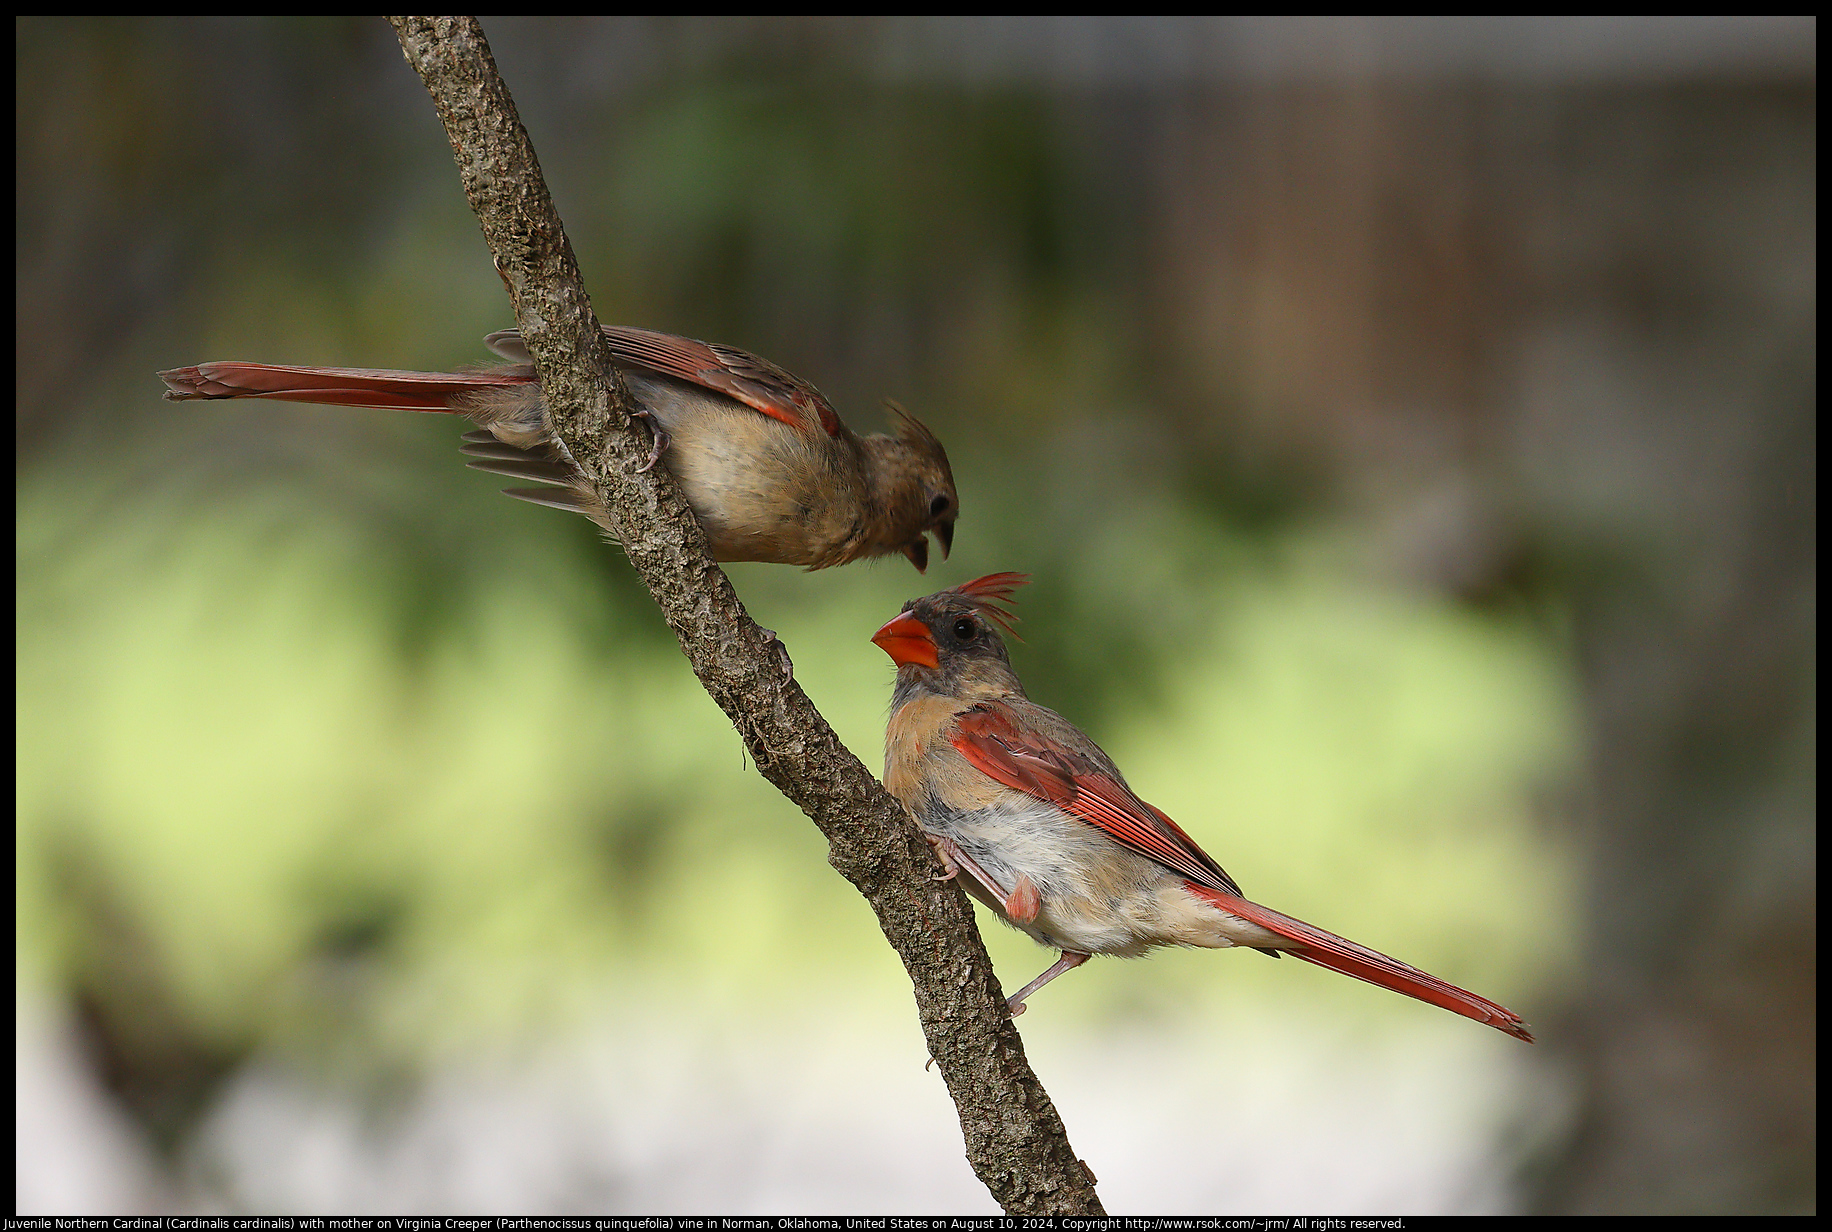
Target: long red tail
(1325, 949)
(377, 387)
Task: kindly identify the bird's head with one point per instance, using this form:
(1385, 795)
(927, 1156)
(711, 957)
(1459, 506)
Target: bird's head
(949, 642)
(921, 488)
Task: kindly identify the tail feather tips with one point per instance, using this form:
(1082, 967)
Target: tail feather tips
(371, 387)
(1326, 949)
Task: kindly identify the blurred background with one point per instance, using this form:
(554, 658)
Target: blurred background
(1408, 424)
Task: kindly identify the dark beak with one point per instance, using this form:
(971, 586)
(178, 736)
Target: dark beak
(944, 535)
(917, 550)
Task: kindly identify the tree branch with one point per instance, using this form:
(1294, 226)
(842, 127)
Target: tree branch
(1015, 1140)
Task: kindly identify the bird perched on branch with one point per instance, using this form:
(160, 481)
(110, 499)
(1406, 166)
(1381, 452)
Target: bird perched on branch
(770, 470)
(1040, 825)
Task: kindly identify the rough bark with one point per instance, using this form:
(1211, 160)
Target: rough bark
(1014, 1138)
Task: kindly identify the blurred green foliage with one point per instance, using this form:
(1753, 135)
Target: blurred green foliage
(330, 750)
(323, 837)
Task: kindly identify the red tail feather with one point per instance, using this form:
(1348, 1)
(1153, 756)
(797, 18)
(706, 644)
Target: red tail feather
(1326, 949)
(377, 387)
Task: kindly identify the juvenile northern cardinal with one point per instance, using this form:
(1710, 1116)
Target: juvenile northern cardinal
(768, 467)
(1043, 829)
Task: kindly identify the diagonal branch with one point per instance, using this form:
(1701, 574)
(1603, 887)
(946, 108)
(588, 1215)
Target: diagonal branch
(1015, 1140)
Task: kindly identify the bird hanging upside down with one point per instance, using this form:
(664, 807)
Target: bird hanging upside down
(770, 470)
(1040, 825)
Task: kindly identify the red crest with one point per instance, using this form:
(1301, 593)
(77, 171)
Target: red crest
(988, 594)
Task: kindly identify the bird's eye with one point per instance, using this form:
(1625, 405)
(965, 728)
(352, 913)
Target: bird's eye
(965, 628)
(938, 506)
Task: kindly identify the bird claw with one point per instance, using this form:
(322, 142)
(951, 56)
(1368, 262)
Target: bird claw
(941, 853)
(661, 443)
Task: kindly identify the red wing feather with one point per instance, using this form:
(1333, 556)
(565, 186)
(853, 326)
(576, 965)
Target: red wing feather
(1027, 762)
(757, 383)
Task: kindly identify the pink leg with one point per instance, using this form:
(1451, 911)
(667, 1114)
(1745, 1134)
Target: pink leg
(1021, 904)
(1068, 962)
(957, 861)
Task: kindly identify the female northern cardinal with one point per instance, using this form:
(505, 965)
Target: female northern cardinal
(768, 467)
(1047, 831)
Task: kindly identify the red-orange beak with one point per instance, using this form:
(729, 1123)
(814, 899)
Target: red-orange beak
(907, 640)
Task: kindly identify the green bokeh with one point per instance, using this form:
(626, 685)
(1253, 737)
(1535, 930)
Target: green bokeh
(324, 838)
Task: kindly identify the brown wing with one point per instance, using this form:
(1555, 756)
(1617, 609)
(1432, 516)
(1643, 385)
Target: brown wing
(1076, 783)
(757, 383)
(1028, 762)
